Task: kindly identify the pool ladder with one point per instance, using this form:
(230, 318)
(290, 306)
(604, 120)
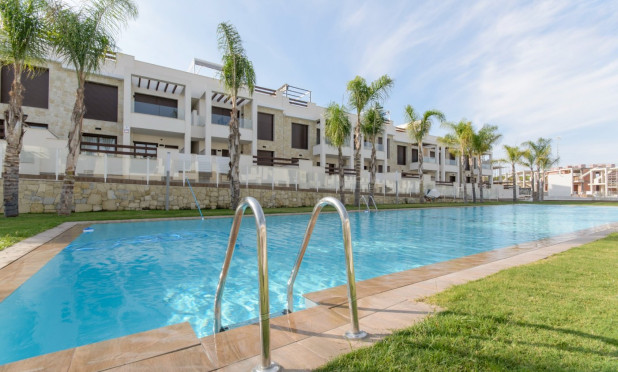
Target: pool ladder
(264, 319)
(367, 203)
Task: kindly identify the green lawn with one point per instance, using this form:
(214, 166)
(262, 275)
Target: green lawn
(559, 314)
(13, 230)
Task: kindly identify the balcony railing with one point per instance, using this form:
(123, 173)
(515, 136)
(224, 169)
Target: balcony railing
(379, 146)
(272, 161)
(451, 161)
(225, 120)
(112, 148)
(486, 165)
(346, 143)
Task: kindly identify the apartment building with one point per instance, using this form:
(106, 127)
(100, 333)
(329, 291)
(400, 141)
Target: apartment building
(582, 180)
(142, 110)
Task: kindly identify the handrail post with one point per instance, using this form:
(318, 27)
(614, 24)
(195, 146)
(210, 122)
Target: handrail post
(355, 332)
(260, 223)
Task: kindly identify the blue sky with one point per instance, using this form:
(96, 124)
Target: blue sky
(533, 68)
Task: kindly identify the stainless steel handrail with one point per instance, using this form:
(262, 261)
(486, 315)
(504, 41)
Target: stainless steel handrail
(349, 260)
(260, 223)
(374, 202)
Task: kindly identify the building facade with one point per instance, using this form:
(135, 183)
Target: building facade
(141, 110)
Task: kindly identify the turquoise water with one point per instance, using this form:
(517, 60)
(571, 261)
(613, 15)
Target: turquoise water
(132, 277)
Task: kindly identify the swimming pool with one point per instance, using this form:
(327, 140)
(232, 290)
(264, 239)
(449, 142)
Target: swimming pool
(125, 278)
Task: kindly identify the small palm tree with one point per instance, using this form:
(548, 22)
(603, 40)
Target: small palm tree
(82, 37)
(482, 142)
(418, 128)
(22, 46)
(513, 156)
(337, 129)
(237, 72)
(373, 125)
(528, 160)
(537, 152)
(361, 95)
(459, 140)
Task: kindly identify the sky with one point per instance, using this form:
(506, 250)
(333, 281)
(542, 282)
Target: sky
(532, 68)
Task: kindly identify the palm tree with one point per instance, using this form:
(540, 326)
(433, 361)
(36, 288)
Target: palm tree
(22, 46)
(82, 37)
(482, 142)
(458, 140)
(361, 95)
(538, 151)
(237, 72)
(513, 156)
(418, 128)
(337, 129)
(373, 126)
(528, 160)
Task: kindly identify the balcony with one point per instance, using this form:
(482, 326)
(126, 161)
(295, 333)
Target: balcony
(225, 120)
(332, 150)
(379, 146)
(429, 164)
(156, 123)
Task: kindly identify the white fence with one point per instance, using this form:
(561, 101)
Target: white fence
(37, 160)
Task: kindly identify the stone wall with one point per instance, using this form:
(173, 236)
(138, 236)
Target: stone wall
(42, 196)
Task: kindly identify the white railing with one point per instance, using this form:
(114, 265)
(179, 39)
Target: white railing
(200, 169)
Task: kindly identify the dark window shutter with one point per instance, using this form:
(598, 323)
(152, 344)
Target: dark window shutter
(265, 127)
(300, 136)
(101, 102)
(36, 86)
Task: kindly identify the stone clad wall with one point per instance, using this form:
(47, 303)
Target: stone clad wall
(42, 196)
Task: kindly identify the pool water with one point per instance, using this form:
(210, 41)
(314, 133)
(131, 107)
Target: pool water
(124, 278)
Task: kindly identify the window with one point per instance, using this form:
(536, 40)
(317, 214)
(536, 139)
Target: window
(379, 140)
(101, 101)
(414, 155)
(300, 136)
(380, 168)
(145, 148)
(96, 143)
(265, 127)
(401, 155)
(317, 136)
(2, 131)
(36, 85)
(153, 105)
(265, 157)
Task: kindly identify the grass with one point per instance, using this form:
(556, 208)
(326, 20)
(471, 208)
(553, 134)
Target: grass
(13, 230)
(557, 314)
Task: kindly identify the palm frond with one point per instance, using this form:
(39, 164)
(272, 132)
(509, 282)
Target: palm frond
(23, 33)
(337, 126)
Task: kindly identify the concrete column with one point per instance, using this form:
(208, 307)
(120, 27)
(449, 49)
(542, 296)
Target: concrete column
(127, 109)
(323, 145)
(208, 122)
(254, 127)
(187, 109)
(442, 155)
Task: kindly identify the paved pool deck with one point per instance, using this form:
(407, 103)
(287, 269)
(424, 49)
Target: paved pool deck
(301, 340)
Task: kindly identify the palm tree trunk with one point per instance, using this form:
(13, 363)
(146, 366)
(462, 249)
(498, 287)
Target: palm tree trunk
(480, 180)
(372, 177)
(462, 177)
(357, 156)
(14, 134)
(75, 136)
(341, 177)
(234, 144)
(421, 196)
(514, 183)
(471, 164)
